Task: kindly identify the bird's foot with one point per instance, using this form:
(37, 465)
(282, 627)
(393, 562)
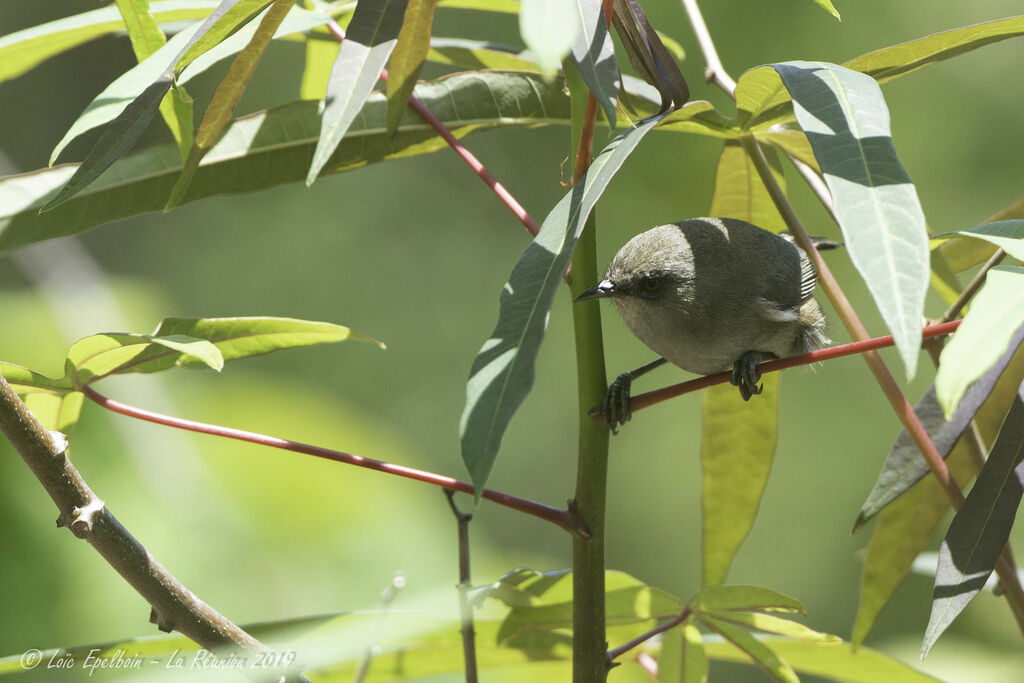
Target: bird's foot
(615, 406)
(745, 374)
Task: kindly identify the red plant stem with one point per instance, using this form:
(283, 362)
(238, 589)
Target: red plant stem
(651, 397)
(503, 194)
(562, 518)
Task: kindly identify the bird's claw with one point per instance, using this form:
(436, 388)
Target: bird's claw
(745, 375)
(615, 406)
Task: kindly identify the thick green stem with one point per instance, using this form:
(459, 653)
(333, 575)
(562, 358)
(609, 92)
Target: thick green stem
(590, 661)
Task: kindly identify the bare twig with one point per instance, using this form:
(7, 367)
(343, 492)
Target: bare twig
(503, 194)
(644, 637)
(465, 610)
(973, 286)
(715, 72)
(562, 518)
(174, 607)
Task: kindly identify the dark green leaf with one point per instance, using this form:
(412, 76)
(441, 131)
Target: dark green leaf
(593, 53)
(979, 531)
(408, 57)
(904, 465)
(846, 121)
(372, 35)
(502, 373)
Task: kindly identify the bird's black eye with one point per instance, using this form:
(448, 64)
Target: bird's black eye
(649, 286)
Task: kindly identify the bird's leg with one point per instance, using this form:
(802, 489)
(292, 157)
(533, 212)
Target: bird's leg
(615, 406)
(745, 374)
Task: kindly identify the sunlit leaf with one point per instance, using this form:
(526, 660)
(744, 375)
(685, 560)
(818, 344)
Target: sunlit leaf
(22, 50)
(996, 314)
(773, 624)
(593, 53)
(759, 653)
(904, 465)
(828, 7)
(371, 37)
(477, 54)
(682, 658)
(846, 121)
(549, 28)
(834, 661)
(963, 254)
(735, 597)
(320, 56)
(230, 16)
(407, 58)
(502, 373)
(273, 147)
(978, 534)
(226, 96)
(1007, 235)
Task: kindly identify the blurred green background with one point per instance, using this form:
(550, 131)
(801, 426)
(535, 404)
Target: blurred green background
(415, 253)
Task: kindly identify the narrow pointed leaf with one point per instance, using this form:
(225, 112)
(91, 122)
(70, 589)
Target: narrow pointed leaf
(716, 598)
(846, 121)
(648, 55)
(502, 373)
(549, 28)
(407, 59)
(773, 624)
(891, 62)
(119, 94)
(23, 50)
(478, 54)
(834, 661)
(124, 130)
(961, 255)
(905, 527)
(1007, 235)
(904, 465)
(593, 53)
(226, 96)
(828, 7)
(988, 328)
(682, 658)
(979, 532)
(737, 437)
(273, 147)
(371, 38)
(230, 16)
(759, 653)
(100, 355)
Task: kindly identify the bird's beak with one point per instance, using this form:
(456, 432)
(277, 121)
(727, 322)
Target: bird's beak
(602, 290)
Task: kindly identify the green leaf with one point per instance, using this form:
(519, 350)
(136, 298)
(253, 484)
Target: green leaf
(737, 438)
(320, 56)
(230, 16)
(758, 652)
(717, 598)
(1007, 235)
(845, 118)
(906, 525)
(979, 532)
(23, 50)
(53, 401)
(476, 54)
(835, 661)
(226, 96)
(502, 372)
(593, 53)
(891, 62)
(773, 624)
(964, 254)
(549, 28)
(736, 451)
(828, 7)
(273, 147)
(497, 6)
(125, 129)
(100, 355)
(682, 658)
(996, 314)
(407, 59)
(372, 35)
(904, 465)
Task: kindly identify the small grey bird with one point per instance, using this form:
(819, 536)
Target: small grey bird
(710, 294)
